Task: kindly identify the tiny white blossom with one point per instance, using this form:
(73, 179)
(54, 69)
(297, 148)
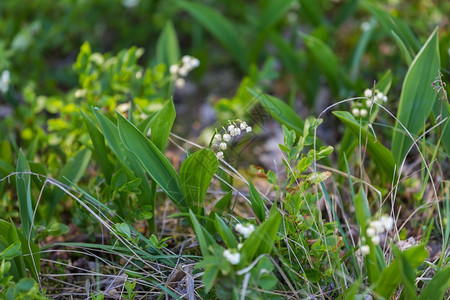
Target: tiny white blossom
(226, 137)
(183, 71)
(365, 249)
(186, 59)
(80, 93)
(174, 69)
(388, 222)
(217, 137)
(219, 155)
(130, 3)
(233, 258)
(237, 131)
(355, 112)
(375, 240)
(230, 128)
(246, 230)
(180, 82)
(378, 226)
(223, 146)
(363, 113)
(248, 129)
(379, 96)
(243, 125)
(138, 74)
(368, 93)
(239, 246)
(5, 79)
(369, 103)
(371, 232)
(194, 63)
(385, 98)
(365, 26)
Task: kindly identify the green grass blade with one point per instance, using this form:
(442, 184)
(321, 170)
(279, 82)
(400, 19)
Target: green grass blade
(417, 97)
(23, 187)
(196, 174)
(380, 154)
(153, 161)
(167, 47)
(203, 237)
(221, 28)
(100, 149)
(438, 286)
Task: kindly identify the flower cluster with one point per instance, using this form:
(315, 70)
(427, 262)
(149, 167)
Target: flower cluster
(233, 257)
(376, 227)
(178, 71)
(245, 230)
(220, 140)
(4, 81)
(361, 109)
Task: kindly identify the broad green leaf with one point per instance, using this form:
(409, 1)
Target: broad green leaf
(441, 107)
(23, 187)
(161, 125)
(225, 232)
(395, 26)
(281, 112)
(390, 277)
(99, 147)
(221, 28)
(222, 204)
(438, 286)
(407, 274)
(381, 155)
(272, 13)
(417, 97)
(11, 251)
(71, 172)
(311, 11)
(262, 239)
(203, 237)
(167, 47)
(153, 161)
(325, 59)
(196, 174)
(257, 202)
(126, 157)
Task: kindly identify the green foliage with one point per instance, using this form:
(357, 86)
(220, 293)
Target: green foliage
(417, 97)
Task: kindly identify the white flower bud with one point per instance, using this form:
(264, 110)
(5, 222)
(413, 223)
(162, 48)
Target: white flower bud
(385, 98)
(183, 71)
(230, 128)
(243, 125)
(226, 137)
(246, 230)
(194, 63)
(388, 222)
(217, 137)
(223, 146)
(375, 240)
(355, 112)
(365, 249)
(174, 69)
(219, 155)
(248, 129)
(237, 131)
(369, 103)
(363, 113)
(371, 232)
(180, 82)
(368, 93)
(378, 226)
(186, 59)
(233, 258)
